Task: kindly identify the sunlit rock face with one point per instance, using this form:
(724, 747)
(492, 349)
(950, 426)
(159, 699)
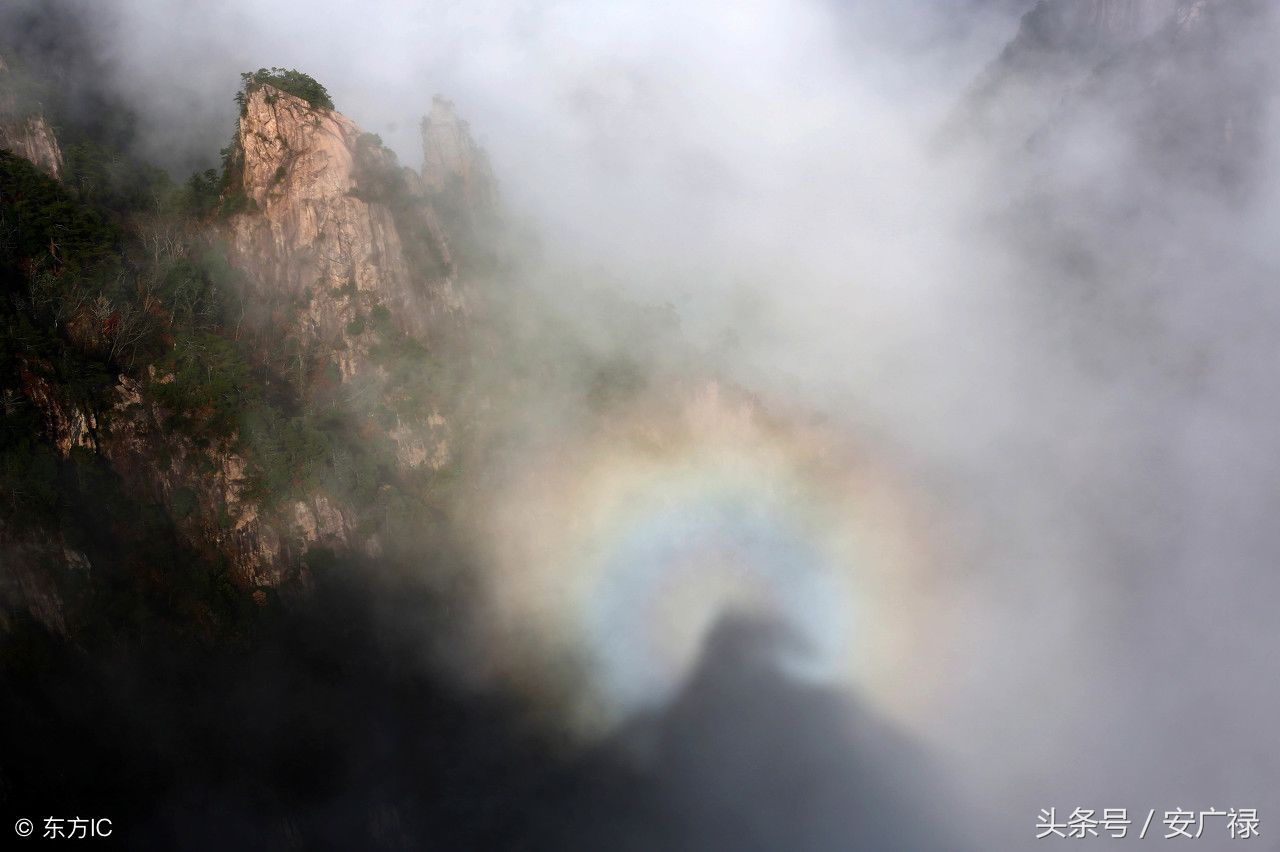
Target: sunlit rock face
(336, 229)
(344, 249)
(25, 132)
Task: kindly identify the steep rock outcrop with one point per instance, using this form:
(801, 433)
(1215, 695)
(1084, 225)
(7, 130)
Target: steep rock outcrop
(337, 229)
(345, 262)
(347, 250)
(453, 164)
(456, 172)
(23, 128)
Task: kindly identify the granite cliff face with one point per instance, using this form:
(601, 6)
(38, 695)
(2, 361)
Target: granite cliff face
(350, 253)
(23, 128)
(336, 229)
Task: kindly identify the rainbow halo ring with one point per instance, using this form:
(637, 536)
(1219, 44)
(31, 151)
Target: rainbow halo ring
(617, 556)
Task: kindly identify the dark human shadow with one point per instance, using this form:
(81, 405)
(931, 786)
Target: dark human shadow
(749, 758)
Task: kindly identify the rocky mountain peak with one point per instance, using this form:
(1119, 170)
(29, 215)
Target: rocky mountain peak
(331, 223)
(292, 150)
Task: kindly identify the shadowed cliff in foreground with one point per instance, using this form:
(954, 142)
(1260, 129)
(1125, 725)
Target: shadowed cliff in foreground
(328, 733)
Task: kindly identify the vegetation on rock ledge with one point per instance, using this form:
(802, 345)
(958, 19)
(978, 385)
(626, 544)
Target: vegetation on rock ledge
(288, 80)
